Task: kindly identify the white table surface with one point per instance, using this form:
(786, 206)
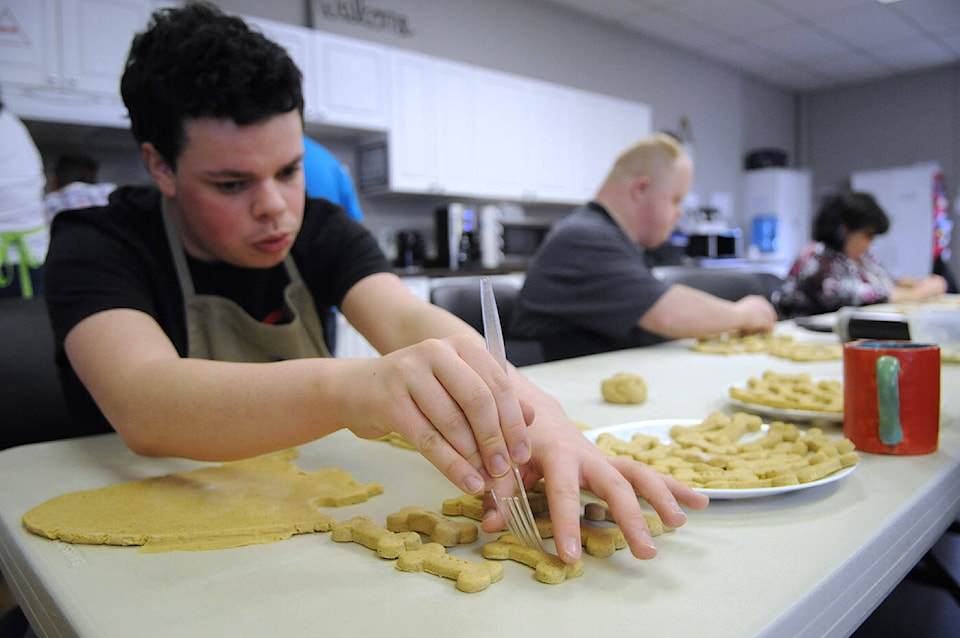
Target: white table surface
(813, 563)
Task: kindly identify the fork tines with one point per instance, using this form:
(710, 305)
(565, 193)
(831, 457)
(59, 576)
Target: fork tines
(516, 513)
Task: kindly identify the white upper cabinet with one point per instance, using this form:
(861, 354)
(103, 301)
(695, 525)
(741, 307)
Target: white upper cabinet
(353, 83)
(96, 40)
(465, 131)
(299, 44)
(61, 60)
(345, 82)
(432, 132)
(551, 154)
(455, 132)
(68, 44)
(29, 46)
(606, 126)
(413, 163)
(502, 134)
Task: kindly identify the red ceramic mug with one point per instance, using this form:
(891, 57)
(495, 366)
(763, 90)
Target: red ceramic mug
(891, 396)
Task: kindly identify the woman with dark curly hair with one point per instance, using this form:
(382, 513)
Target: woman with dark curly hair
(838, 270)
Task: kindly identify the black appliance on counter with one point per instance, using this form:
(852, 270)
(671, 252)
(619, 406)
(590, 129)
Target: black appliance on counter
(411, 249)
(458, 236)
(722, 243)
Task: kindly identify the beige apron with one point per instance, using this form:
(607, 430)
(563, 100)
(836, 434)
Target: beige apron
(220, 329)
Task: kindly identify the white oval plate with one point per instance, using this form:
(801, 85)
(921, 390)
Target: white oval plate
(661, 428)
(782, 414)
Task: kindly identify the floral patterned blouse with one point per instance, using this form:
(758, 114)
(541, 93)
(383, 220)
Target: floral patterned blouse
(824, 280)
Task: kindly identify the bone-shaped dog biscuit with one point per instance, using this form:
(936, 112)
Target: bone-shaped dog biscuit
(440, 530)
(464, 505)
(547, 567)
(434, 559)
(362, 530)
(601, 541)
(598, 541)
(601, 512)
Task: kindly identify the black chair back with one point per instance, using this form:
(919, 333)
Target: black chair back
(463, 300)
(31, 401)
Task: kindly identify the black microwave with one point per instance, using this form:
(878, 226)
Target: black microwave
(508, 240)
(522, 237)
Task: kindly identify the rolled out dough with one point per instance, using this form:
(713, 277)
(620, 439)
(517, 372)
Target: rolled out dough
(260, 500)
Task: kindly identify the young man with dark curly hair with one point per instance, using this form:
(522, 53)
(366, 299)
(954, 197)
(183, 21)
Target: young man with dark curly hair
(187, 313)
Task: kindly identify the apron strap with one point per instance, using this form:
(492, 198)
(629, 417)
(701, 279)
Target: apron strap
(179, 256)
(17, 239)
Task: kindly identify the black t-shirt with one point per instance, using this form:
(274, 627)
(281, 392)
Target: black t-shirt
(117, 256)
(586, 289)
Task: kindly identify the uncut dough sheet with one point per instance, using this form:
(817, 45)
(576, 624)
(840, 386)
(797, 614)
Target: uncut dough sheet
(260, 500)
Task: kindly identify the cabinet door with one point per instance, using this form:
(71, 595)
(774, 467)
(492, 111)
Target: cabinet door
(500, 135)
(551, 144)
(455, 130)
(299, 44)
(96, 37)
(29, 53)
(353, 83)
(413, 135)
(607, 126)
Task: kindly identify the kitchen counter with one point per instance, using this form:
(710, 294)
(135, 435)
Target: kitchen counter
(813, 562)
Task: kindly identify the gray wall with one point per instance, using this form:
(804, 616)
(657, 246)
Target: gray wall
(902, 120)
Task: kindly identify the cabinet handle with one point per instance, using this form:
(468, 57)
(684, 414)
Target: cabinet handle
(53, 79)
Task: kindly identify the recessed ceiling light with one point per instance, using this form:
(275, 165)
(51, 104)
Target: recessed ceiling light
(887, 1)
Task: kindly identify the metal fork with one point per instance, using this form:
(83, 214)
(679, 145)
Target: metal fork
(514, 510)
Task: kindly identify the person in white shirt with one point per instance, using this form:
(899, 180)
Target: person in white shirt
(75, 185)
(23, 230)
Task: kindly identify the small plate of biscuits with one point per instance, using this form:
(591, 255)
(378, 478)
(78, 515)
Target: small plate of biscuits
(733, 457)
(790, 397)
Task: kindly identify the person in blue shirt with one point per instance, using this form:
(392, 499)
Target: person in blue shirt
(326, 177)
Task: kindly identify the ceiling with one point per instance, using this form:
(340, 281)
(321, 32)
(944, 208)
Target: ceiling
(802, 45)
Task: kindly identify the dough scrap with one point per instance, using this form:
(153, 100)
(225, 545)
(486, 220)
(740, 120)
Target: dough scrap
(624, 387)
(260, 500)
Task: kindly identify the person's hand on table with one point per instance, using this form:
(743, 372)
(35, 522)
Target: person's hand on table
(451, 400)
(568, 461)
(756, 314)
(918, 288)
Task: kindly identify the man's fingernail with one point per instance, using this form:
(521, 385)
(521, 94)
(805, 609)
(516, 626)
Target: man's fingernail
(522, 453)
(647, 540)
(498, 465)
(572, 548)
(473, 485)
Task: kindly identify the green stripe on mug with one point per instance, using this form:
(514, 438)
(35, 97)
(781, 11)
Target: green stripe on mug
(888, 399)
